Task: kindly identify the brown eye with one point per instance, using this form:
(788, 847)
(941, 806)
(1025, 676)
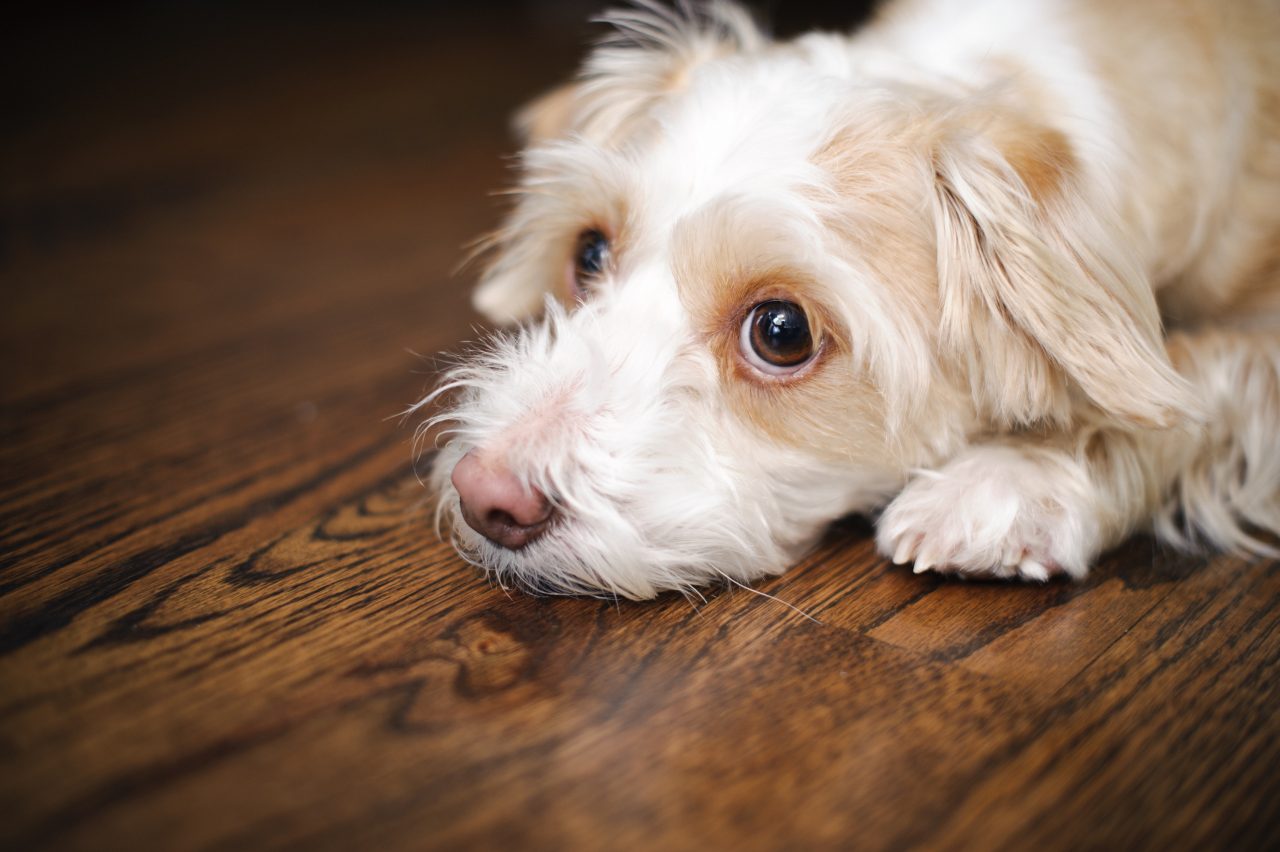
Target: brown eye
(776, 338)
(590, 260)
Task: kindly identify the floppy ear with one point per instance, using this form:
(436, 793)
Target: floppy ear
(1040, 297)
(547, 116)
(512, 288)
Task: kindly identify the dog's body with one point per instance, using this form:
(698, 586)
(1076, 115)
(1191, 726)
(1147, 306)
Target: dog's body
(922, 268)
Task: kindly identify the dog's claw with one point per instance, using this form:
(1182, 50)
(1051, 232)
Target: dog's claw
(902, 554)
(927, 558)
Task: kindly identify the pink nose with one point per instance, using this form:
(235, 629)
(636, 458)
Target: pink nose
(495, 504)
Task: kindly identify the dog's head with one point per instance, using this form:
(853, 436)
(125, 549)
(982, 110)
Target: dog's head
(769, 289)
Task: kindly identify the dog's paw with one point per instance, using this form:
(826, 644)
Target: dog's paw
(994, 512)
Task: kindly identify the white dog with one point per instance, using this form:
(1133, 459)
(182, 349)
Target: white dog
(925, 267)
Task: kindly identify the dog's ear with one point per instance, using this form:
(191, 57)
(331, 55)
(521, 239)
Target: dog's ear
(1041, 298)
(547, 116)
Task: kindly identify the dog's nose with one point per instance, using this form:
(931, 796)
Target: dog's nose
(495, 504)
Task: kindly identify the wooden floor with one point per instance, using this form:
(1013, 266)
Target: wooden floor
(226, 622)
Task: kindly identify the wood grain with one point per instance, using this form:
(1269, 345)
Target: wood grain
(225, 621)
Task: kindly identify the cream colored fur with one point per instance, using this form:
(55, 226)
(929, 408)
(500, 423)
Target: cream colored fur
(1040, 241)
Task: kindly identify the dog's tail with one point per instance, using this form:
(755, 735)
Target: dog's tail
(1227, 490)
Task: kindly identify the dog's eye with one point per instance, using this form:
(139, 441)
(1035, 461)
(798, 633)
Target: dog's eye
(776, 338)
(590, 261)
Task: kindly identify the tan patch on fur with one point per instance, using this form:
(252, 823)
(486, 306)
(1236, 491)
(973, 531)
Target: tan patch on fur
(826, 407)
(1020, 124)
(1040, 155)
(877, 222)
(1015, 119)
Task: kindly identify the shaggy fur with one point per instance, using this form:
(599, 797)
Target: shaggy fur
(990, 212)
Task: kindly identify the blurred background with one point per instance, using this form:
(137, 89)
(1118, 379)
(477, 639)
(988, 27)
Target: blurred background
(275, 165)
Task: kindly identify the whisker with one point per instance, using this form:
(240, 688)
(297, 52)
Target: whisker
(789, 606)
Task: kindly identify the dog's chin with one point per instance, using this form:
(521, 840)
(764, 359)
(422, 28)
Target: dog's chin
(613, 556)
(548, 566)
(575, 558)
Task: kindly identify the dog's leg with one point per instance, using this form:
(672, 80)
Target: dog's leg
(1035, 505)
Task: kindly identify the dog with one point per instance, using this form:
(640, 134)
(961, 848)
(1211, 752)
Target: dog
(1004, 274)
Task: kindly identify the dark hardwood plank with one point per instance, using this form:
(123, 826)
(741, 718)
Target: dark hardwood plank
(1149, 739)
